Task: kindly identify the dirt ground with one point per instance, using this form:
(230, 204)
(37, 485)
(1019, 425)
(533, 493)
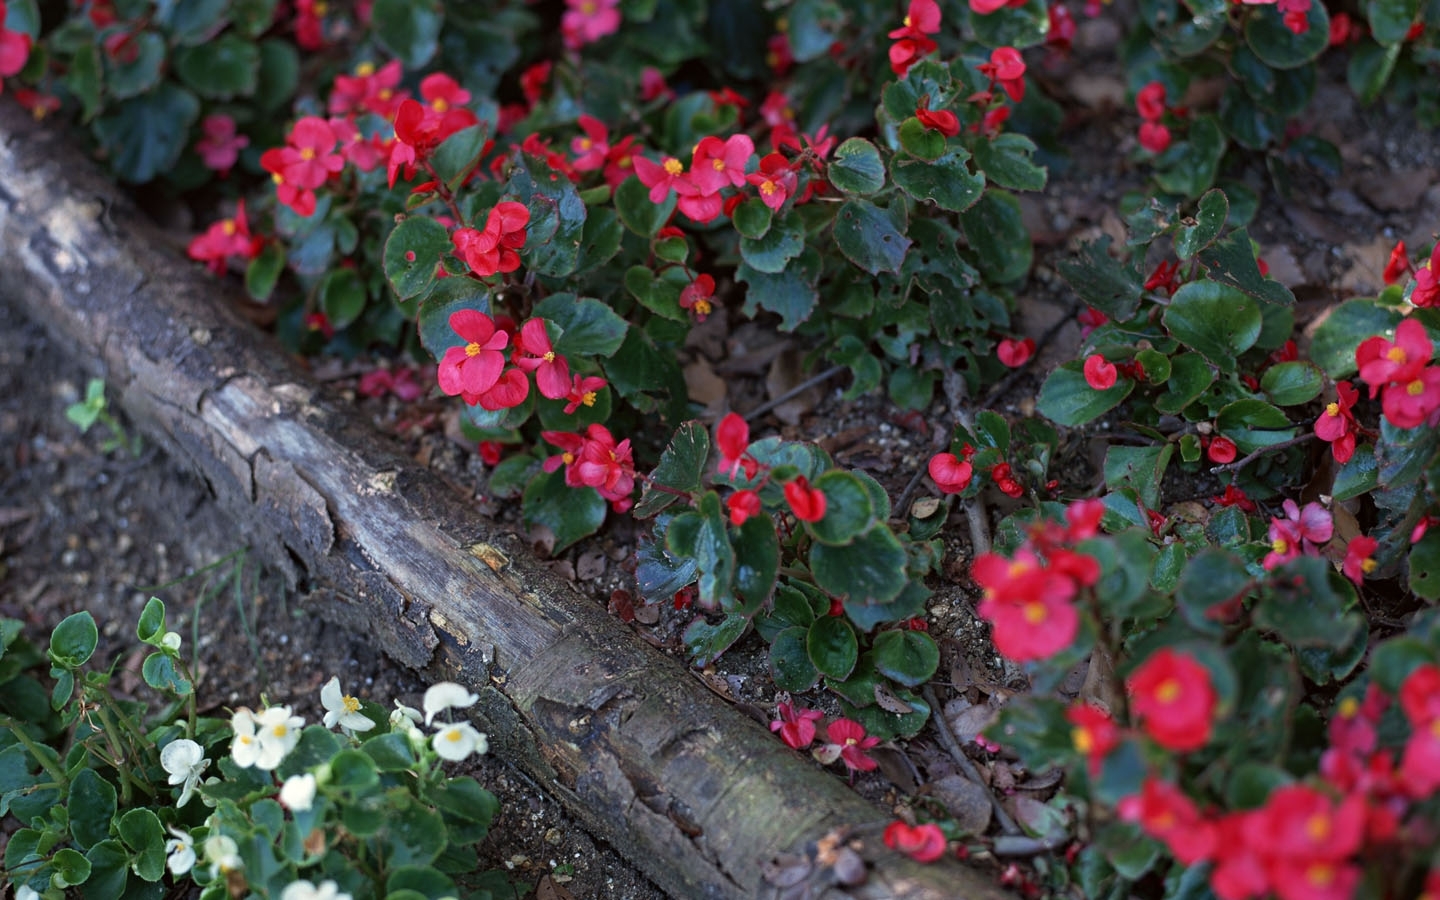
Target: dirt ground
(82, 529)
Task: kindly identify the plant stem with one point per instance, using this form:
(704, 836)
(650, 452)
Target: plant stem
(794, 392)
(1250, 457)
(952, 746)
(56, 772)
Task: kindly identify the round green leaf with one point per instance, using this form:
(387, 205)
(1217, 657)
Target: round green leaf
(848, 510)
(71, 868)
(909, 657)
(1253, 424)
(92, 805)
(1424, 567)
(409, 29)
(1012, 26)
(74, 640)
(412, 252)
(130, 76)
(1217, 321)
(872, 237)
(790, 661)
(342, 297)
(1292, 383)
(570, 513)
(752, 218)
(757, 563)
(1279, 47)
(947, 181)
(142, 832)
(1344, 329)
(995, 230)
(151, 626)
(590, 328)
(632, 202)
(145, 136)
(1212, 577)
(458, 155)
(160, 673)
(226, 67)
(1197, 233)
(886, 725)
(772, 250)
(832, 646)
(1006, 160)
(856, 167)
(413, 834)
(1190, 376)
(354, 770)
(1068, 399)
(871, 569)
(921, 142)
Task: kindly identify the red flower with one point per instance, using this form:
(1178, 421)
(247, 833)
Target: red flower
(300, 200)
(605, 465)
(219, 146)
(1420, 700)
(1005, 481)
(1426, 291)
(568, 456)
(552, 373)
(652, 85)
(950, 473)
(1094, 735)
(1027, 605)
(583, 392)
(494, 249)
(1233, 496)
(1174, 700)
(1411, 404)
(591, 149)
(697, 296)
(225, 239)
(796, 724)
(1381, 362)
(14, 48)
(912, 39)
(1014, 354)
(1222, 450)
(1090, 319)
(732, 436)
(1100, 374)
(660, 177)
(1398, 264)
(368, 90)
(922, 843)
(716, 163)
(943, 121)
(1166, 814)
(475, 367)
(847, 742)
(742, 505)
(1301, 824)
(1150, 101)
(587, 21)
(1006, 68)
(1359, 558)
(1337, 423)
(775, 181)
(806, 502)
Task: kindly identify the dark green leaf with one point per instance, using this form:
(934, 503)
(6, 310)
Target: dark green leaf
(1424, 560)
(570, 513)
(792, 294)
(632, 202)
(1141, 468)
(408, 28)
(264, 271)
(947, 182)
(1231, 261)
(137, 68)
(1189, 167)
(847, 508)
(921, 142)
(1344, 329)
(1292, 383)
(413, 250)
(752, 218)
(1218, 321)
(871, 237)
(1212, 577)
(1274, 42)
(144, 137)
(151, 625)
(342, 297)
(557, 217)
(770, 252)
(160, 673)
(74, 640)
(459, 154)
(226, 67)
(871, 569)
(832, 646)
(1196, 234)
(1006, 160)
(1253, 424)
(757, 563)
(790, 662)
(856, 167)
(681, 468)
(1067, 399)
(995, 230)
(1109, 285)
(92, 805)
(1358, 476)
(71, 868)
(590, 327)
(705, 642)
(451, 296)
(1190, 376)
(141, 830)
(908, 657)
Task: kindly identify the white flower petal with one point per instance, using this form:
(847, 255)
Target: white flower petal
(457, 741)
(446, 695)
(298, 792)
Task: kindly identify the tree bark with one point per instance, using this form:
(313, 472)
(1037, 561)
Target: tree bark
(695, 793)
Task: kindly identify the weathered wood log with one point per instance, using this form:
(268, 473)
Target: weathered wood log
(698, 795)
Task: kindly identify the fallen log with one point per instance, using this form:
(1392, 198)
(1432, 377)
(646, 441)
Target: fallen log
(692, 791)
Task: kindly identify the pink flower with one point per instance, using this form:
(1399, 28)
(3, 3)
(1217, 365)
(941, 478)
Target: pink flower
(606, 465)
(742, 505)
(592, 148)
(1166, 814)
(552, 373)
(660, 177)
(493, 249)
(716, 164)
(922, 843)
(1221, 450)
(848, 743)
(309, 156)
(368, 90)
(587, 21)
(698, 296)
(796, 724)
(775, 180)
(584, 390)
(1337, 423)
(1154, 137)
(1359, 558)
(14, 48)
(1007, 69)
(1300, 531)
(475, 367)
(1173, 697)
(1100, 374)
(225, 239)
(950, 473)
(1381, 362)
(219, 146)
(1013, 354)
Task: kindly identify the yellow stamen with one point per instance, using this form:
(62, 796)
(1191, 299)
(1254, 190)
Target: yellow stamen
(1368, 565)
(1332, 409)
(1280, 545)
(549, 357)
(1317, 827)
(472, 349)
(439, 104)
(365, 69)
(1396, 355)
(1349, 707)
(673, 166)
(717, 164)
(585, 143)
(1415, 388)
(228, 226)
(589, 398)
(307, 153)
(703, 307)
(1168, 691)
(1083, 740)
(277, 178)
(351, 704)
(1035, 612)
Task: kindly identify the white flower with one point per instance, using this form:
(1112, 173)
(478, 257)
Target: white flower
(278, 732)
(26, 892)
(223, 854)
(405, 717)
(342, 708)
(245, 748)
(304, 890)
(171, 642)
(179, 853)
(184, 760)
(455, 742)
(446, 695)
(298, 792)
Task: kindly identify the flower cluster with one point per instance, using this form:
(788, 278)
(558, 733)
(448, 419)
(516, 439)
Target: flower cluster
(1402, 369)
(1154, 135)
(912, 39)
(845, 740)
(1029, 598)
(225, 240)
(732, 435)
(480, 372)
(305, 163)
(1300, 531)
(263, 739)
(594, 459)
(495, 247)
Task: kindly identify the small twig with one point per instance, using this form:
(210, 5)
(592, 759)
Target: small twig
(1020, 845)
(952, 746)
(1250, 457)
(1013, 375)
(794, 392)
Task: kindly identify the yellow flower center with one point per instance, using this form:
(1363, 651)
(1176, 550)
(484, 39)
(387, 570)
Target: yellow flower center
(307, 153)
(351, 704)
(703, 307)
(321, 9)
(588, 7)
(472, 349)
(1168, 691)
(1332, 409)
(907, 21)
(624, 162)
(567, 457)
(589, 398)
(228, 226)
(277, 178)
(1320, 874)
(1280, 545)
(673, 166)
(717, 164)
(1368, 565)
(549, 357)
(365, 69)
(1084, 741)
(1035, 612)
(385, 94)
(1435, 728)
(453, 735)
(768, 187)
(439, 104)
(1396, 355)
(1415, 388)
(280, 730)
(1317, 827)
(585, 143)
(1349, 707)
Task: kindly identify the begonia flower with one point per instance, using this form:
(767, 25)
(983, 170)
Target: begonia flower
(796, 725)
(342, 709)
(537, 355)
(179, 852)
(847, 742)
(741, 506)
(183, 761)
(806, 502)
(950, 473)
(1095, 734)
(922, 843)
(297, 794)
(305, 890)
(1166, 814)
(475, 366)
(457, 741)
(1013, 354)
(1172, 695)
(445, 695)
(1099, 372)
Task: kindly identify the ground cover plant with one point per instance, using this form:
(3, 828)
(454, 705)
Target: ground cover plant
(544, 218)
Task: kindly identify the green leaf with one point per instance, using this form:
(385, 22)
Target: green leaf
(109, 870)
(590, 327)
(413, 834)
(142, 832)
(1279, 47)
(413, 250)
(342, 297)
(252, 17)
(160, 673)
(847, 508)
(151, 625)
(83, 80)
(226, 67)
(1190, 376)
(391, 752)
(1006, 160)
(1424, 560)
(1189, 167)
(1140, 468)
(1067, 399)
(264, 271)
(770, 252)
(1358, 476)
(1108, 284)
(279, 75)
(790, 661)
(74, 640)
(192, 21)
(757, 563)
(752, 218)
(681, 468)
(1313, 610)
(792, 294)
(570, 513)
(632, 202)
(1390, 20)
(459, 154)
(70, 867)
(921, 142)
(92, 804)
(856, 167)
(995, 230)
(557, 217)
(1370, 68)
(408, 29)
(1231, 261)
(947, 182)
(871, 569)
(871, 237)
(659, 574)
(908, 657)
(1253, 424)
(422, 881)
(832, 646)
(1196, 234)
(1211, 577)
(450, 296)
(705, 642)
(144, 137)
(1012, 26)
(1215, 320)
(130, 76)
(1344, 329)
(1292, 383)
